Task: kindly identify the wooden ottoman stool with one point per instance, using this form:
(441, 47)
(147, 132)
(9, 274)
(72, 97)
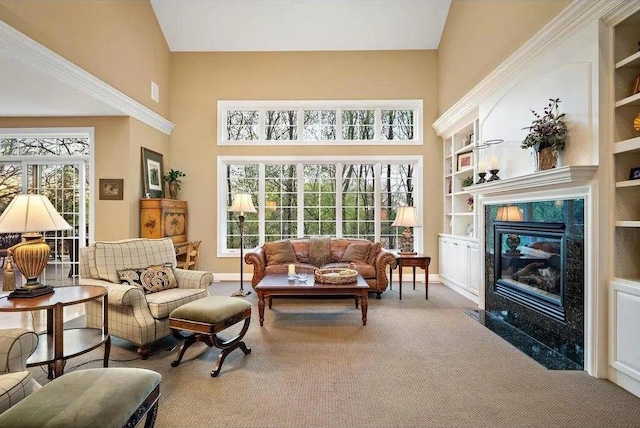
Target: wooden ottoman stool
(108, 397)
(206, 317)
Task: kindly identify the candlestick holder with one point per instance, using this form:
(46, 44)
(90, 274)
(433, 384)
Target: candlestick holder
(494, 175)
(481, 179)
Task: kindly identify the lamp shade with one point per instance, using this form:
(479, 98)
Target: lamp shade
(242, 203)
(406, 217)
(509, 213)
(31, 213)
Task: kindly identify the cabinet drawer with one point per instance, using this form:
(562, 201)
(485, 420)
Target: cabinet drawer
(412, 262)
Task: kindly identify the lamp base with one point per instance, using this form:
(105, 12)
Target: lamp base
(27, 293)
(241, 293)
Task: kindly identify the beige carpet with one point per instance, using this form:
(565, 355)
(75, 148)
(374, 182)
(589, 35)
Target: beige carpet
(417, 363)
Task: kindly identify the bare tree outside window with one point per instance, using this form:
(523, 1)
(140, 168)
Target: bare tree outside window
(319, 199)
(358, 201)
(243, 125)
(281, 202)
(281, 125)
(319, 125)
(358, 124)
(397, 125)
(242, 179)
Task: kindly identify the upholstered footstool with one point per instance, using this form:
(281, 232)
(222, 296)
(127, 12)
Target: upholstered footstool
(206, 317)
(108, 397)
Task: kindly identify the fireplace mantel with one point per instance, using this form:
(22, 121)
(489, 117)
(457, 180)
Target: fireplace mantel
(566, 176)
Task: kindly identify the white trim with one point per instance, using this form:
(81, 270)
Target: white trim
(415, 105)
(45, 60)
(573, 18)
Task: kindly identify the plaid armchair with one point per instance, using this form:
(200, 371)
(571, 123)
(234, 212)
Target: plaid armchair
(133, 315)
(16, 345)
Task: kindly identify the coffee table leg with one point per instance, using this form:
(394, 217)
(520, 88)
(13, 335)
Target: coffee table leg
(365, 305)
(261, 306)
(270, 301)
(356, 299)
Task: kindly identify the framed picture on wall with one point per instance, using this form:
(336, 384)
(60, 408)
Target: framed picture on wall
(152, 173)
(111, 189)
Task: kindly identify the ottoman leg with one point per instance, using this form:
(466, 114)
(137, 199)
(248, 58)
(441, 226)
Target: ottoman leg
(230, 345)
(188, 339)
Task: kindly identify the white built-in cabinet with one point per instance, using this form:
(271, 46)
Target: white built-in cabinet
(624, 318)
(459, 254)
(460, 264)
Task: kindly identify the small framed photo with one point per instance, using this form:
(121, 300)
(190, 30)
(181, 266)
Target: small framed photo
(111, 188)
(635, 173)
(152, 173)
(465, 160)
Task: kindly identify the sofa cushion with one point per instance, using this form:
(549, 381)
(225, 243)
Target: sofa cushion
(118, 255)
(279, 252)
(163, 302)
(356, 252)
(301, 247)
(150, 279)
(319, 250)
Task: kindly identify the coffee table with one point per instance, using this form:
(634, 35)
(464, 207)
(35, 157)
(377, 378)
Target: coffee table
(280, 285)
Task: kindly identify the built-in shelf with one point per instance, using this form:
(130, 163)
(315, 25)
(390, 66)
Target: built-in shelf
(465, 149)
(470, 213)
(462, 192)
(628, 183)
(629, 223)
(448, 156)
(633, 100)
(448, 175)
(630, 61)
(631, 282)
(462, 171)
(627, 145)
(556, 177)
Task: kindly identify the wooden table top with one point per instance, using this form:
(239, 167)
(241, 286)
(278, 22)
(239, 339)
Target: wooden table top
(281, 282)
(70, 295)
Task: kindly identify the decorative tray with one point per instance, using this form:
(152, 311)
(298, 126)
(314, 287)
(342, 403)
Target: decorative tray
(336, 275)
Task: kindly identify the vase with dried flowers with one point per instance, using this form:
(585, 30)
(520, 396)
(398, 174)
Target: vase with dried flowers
(173, 178)
(470, 203)
(547, 135)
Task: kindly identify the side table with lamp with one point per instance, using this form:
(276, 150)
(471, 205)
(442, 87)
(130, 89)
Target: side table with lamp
(407, 217)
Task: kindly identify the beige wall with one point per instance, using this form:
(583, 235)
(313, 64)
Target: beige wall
(120, 42)
(479, 35)
(199, 80)
(117, 155)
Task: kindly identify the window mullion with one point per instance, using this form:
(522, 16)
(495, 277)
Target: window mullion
(339, 125)
(300, 124)
(300, 192)
(262, 124)
(377, 202)
(261, 203)
(377, 125)
(339, 172)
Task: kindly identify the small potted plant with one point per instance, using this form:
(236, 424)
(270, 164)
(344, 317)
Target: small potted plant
(547, 135)
(173, 178)
(467, 181)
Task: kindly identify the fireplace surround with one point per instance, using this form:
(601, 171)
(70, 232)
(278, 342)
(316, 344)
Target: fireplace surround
(540, 289)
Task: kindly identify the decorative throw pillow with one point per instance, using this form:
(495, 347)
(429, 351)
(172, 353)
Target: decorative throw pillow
(356, 252)
(320, 250)
(150, 279)
(373, 252)
(279, 252)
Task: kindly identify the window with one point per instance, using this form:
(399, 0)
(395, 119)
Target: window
(361, 122)
(298, 197)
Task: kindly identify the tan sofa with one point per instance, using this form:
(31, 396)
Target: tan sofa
(373, 267)
(133, 315)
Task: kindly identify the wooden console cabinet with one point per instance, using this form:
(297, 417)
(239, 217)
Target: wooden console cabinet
(163, 218)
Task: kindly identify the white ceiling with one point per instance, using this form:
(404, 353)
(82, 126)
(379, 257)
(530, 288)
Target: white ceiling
(301, 25)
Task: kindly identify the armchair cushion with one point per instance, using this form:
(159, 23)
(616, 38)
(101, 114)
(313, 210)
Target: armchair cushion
(13, 388)
(161, 304)
(150, 279)
(279, 252)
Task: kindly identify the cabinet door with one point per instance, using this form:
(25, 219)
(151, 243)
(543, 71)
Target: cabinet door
(473, 263)
(460, 256)
(443, 258)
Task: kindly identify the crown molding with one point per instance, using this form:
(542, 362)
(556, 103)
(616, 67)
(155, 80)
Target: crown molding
(45, 60)
(567, 176)
(573, 18)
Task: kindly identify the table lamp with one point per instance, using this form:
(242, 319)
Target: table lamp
(31, 214)
(511, 213)
(406, 217)
(242, 203)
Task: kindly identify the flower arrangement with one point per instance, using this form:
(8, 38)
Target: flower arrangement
(547, 130)
(470, 203)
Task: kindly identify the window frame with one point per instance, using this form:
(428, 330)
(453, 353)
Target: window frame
(221, 215)
(415, 105)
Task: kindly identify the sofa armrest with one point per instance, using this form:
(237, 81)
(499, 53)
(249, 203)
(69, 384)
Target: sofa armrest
(16, 346)
(258, 258)
(383, 259)
(193, 278)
